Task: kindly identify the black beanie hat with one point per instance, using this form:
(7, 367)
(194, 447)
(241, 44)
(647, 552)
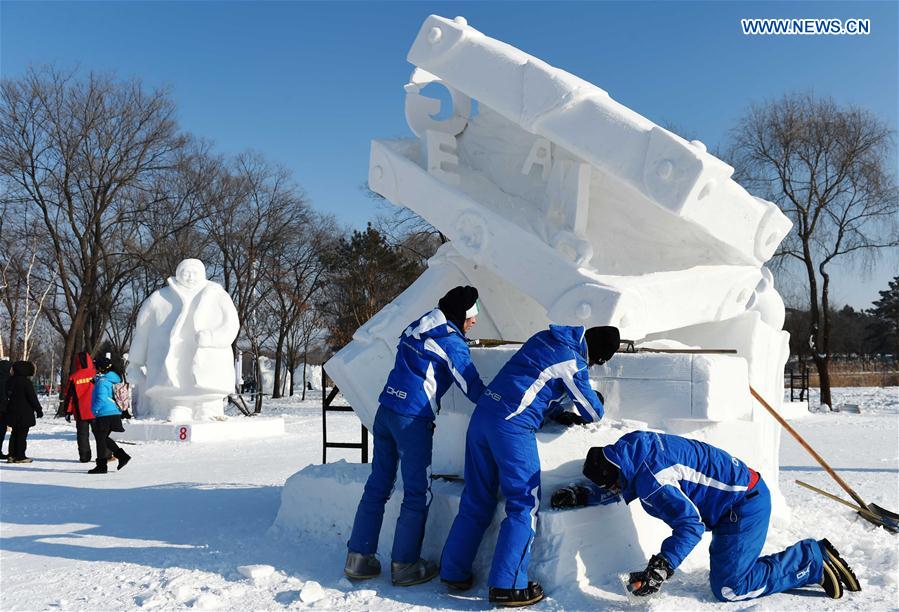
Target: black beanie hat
(103, 364)
(599, 469)
(456, 303)
(602, 343)
(23, 368)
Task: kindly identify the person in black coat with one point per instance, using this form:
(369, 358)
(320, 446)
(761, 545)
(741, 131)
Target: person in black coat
(22, 406)
(5, 367)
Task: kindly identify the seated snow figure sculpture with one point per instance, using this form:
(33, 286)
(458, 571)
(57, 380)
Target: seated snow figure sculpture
(501, 453)
(181, 359)
(695, 487)
(432, 354)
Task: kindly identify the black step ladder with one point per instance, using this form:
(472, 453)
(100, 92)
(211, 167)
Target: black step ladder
(328, 406)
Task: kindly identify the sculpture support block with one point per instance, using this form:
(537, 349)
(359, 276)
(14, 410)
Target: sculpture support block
(215, 431)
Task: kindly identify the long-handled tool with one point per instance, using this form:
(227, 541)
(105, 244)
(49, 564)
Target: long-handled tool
(889, 525)
(873, 513)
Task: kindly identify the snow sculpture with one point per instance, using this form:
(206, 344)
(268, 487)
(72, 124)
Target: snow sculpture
(564, 206)
(180, 359)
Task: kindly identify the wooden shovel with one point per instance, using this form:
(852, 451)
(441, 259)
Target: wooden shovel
(872, 512)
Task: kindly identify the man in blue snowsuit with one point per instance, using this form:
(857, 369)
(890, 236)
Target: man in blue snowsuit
(501, 453)
(432, 354)
(695, 487)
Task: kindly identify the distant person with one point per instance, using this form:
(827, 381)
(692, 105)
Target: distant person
(77, 399)
(22, 407)
(5, 367)
(431, 355)
(107, 417)
(695, 487)
(501, 454)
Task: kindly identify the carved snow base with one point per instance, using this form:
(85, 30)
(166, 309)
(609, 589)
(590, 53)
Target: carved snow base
(238, 428)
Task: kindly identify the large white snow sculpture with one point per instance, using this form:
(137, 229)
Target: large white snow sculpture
(180, 359)
(564, 206)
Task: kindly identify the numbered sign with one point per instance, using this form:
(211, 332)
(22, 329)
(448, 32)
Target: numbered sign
(182, 433)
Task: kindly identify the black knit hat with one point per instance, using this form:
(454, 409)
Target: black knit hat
(602, 343)
(23, 368)
(456, 304)
(103, 364)
(599, 469)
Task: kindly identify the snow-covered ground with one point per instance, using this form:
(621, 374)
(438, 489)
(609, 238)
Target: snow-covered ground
(171, 529)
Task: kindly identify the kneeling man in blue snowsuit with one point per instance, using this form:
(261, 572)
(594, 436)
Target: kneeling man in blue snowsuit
(432, 354)
(501, 453)
(695, 487)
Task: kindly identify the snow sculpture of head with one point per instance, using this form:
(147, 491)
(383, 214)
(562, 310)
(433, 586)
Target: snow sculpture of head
(190, 273)
(181, 359)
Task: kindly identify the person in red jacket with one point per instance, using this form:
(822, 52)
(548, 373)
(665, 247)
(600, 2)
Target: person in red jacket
(78, 402)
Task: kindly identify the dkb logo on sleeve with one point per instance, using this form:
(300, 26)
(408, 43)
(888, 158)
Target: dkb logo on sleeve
(396, 392)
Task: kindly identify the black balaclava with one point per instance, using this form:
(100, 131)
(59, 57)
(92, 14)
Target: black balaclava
(456, 303)
(599, 469)
(602, 343)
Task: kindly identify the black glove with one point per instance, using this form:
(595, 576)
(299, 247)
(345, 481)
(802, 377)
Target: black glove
(40, 414)
(572, 496)
(68, 418)
(568, 418)
(650, 580)
(601, 398)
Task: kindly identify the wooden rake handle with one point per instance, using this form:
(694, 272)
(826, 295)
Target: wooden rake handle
(808, 448)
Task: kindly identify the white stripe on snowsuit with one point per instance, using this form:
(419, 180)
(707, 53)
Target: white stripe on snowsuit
(677, 472)
(437, 350)
(565, 371)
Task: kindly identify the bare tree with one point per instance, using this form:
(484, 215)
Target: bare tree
(296, 276)
(257, 211)
(827, 167)
(80, 153)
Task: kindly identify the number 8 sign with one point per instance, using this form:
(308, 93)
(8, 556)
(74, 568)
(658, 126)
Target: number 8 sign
(184, 433)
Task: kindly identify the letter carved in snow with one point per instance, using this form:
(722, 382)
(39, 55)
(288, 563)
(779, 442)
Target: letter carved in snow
(421, 110)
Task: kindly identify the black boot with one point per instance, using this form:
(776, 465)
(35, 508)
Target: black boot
(844, 572)
(459, 585)
(100, 468)
(123, 458)
(830, 580)
(516, 598)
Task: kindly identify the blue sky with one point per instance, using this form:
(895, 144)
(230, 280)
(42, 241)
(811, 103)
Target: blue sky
(309, 84)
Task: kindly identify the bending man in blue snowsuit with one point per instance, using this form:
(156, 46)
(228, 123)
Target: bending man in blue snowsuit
(695, 487)
(432, 354)
(501, 453)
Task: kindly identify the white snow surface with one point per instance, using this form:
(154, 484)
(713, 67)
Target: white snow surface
(171, 530)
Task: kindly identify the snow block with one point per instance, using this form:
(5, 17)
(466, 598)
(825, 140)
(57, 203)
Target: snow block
(652, 388)
(573, 547)
(571, 294)
(678, 176)
(238, 428)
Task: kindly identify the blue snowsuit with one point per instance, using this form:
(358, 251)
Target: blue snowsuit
(501, 452)
(694, 487)
(432, 354)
